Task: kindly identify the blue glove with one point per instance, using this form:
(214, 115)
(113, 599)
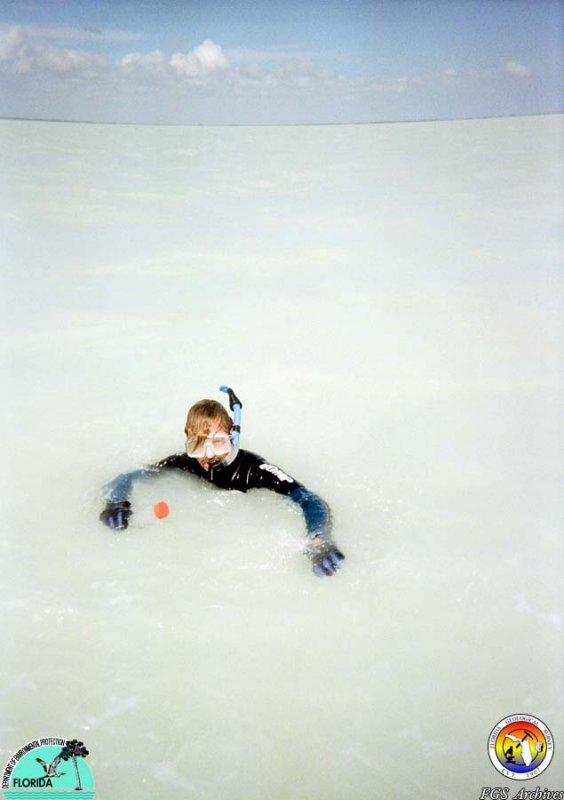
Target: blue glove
(116, 514)
(325, 556)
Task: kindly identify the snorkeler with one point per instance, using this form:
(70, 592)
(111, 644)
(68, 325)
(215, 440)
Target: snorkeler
(213, 453)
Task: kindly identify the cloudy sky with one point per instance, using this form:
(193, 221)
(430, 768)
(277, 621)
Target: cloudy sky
(279, 61)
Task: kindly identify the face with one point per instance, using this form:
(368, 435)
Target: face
(211, 428)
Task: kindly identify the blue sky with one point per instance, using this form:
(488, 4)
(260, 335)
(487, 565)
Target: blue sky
(279, 61)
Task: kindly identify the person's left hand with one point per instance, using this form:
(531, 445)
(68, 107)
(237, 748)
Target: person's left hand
(325, 557)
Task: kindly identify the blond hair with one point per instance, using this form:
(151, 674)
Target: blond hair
(200, 418)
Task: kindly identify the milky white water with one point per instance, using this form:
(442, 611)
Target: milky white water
(386, 302)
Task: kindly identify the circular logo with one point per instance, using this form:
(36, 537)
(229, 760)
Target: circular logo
(521, 747)
(48, 768)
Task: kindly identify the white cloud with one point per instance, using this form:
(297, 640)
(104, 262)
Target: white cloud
(71, 62)
(203, 60)
(517, 70)
(31, 51)
(21, 54)
(152, 63)
(33, 57)
(11, 42)
(469, 73)
(200, 62)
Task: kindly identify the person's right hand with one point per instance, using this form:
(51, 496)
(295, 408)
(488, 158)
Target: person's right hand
(116, 514)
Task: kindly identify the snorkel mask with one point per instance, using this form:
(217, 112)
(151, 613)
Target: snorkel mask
(221, 445)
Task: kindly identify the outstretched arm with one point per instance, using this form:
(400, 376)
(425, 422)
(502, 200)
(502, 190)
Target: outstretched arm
(117, 510)
(320, 549)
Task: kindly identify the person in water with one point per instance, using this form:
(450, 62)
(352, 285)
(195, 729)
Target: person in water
(213, 454)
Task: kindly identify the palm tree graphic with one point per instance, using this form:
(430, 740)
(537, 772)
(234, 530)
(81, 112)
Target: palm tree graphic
(74, 749)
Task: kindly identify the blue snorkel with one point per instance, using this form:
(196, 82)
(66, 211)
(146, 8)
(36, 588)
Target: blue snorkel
(235, 405)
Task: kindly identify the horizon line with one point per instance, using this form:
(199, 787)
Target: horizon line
(410, 121)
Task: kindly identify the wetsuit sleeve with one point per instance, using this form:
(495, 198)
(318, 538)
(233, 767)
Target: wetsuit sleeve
(120, 488)
(316, 512)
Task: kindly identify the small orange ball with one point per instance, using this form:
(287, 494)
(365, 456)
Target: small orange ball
(161, 509)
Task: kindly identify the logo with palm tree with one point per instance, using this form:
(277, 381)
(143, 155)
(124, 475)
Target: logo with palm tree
(48, 768)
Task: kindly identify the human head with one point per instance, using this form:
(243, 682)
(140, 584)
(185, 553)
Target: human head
(205, 417)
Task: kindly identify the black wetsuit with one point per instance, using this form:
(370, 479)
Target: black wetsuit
(247, 471)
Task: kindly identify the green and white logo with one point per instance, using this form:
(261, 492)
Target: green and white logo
(47, 769)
